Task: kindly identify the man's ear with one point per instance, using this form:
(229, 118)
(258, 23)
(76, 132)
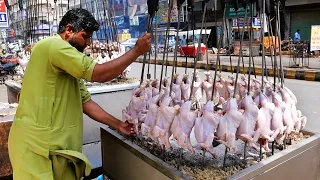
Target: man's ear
(69, 30)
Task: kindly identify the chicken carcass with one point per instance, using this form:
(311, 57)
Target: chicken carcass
(183, 124)
(277, 118)
(185, 87)
(207, 85)
(247, 130)
(264, 120)
(197, 91)
(228, 124)
(151, 117)
(135, 107)
(205, 127)
(176, 90)
(164, 120)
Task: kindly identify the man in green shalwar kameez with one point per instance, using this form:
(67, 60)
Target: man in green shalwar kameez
(45, 140)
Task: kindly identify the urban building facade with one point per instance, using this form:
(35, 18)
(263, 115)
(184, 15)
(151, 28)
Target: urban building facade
(301, 14)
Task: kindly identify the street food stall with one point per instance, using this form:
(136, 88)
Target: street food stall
(256, 29)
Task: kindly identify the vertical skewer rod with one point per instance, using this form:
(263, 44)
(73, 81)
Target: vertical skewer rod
(245, 151)
(250, 53)
(199, 48)
(165, 42)
(262, 41)
(218, 56)
(260, 152)
(203, 157)
(225, 157)
(229, 43)
(240, 51)
(175, 58)
(186, 54)
(155, 45)
(279, 34)
(145, 55)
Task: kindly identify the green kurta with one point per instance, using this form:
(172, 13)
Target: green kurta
(45, 140)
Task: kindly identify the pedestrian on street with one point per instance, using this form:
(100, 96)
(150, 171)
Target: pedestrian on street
(45, 141)
(297, 38)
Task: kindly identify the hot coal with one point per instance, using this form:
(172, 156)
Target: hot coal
(191, 164)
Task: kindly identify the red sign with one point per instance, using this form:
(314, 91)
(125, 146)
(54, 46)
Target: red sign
(3, 8)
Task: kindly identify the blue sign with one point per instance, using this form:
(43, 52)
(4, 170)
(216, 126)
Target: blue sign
(3, 18)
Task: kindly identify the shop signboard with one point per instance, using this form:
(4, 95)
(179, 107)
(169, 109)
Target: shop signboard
(4, 22)
(231, 12)
(162, 15)
(255, 23)
(315, 38)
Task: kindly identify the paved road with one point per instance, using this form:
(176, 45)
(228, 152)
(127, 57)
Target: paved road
(307, 93)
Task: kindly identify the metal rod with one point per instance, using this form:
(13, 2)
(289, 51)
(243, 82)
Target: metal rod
(229, 43)
(245, 151)
(262, 41)
(186, 54)
(199, 48)
(145, 55)
(225, 156)
(271, 42)
(240, 52)
(218, 55)
(155, 47)
(203, 157)
(274, 53)
(206, 43)
(165, 42)
(279, 34)
(175, 58)
(149, 58)
(272, 147)
(260, 152)
(250, 47)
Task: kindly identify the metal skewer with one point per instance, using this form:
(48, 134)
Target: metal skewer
(151, 12)
(165, 42)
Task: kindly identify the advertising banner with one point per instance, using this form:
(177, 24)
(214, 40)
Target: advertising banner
(4, 22)
(315, 38)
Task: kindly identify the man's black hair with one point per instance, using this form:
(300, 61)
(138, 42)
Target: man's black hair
(80, 19)
(298, 30)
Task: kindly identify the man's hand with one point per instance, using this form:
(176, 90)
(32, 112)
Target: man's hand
(143, 44)
(127, 129)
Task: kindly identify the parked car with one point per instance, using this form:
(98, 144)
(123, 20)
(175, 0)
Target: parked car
(129, 43)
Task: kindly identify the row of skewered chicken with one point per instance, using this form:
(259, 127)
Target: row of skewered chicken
(270, 114)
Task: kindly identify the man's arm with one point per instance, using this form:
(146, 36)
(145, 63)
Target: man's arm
(95, 112)
(110, 70)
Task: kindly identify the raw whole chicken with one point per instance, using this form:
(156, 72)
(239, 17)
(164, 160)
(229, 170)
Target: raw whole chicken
(176, 90)
(183, 124)
(151, 117)
(197, 91)
(185, 87)
(277, 118)
(247, 130)
(264, 120)
(207, 85)
(133, 110)
(164, 120)
(229, 124)
(288, 115)
(155, 87)
(205, 127)
(223, 88)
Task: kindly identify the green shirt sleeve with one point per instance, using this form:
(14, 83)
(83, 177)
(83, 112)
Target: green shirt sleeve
(85, 95)
(70, 60)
